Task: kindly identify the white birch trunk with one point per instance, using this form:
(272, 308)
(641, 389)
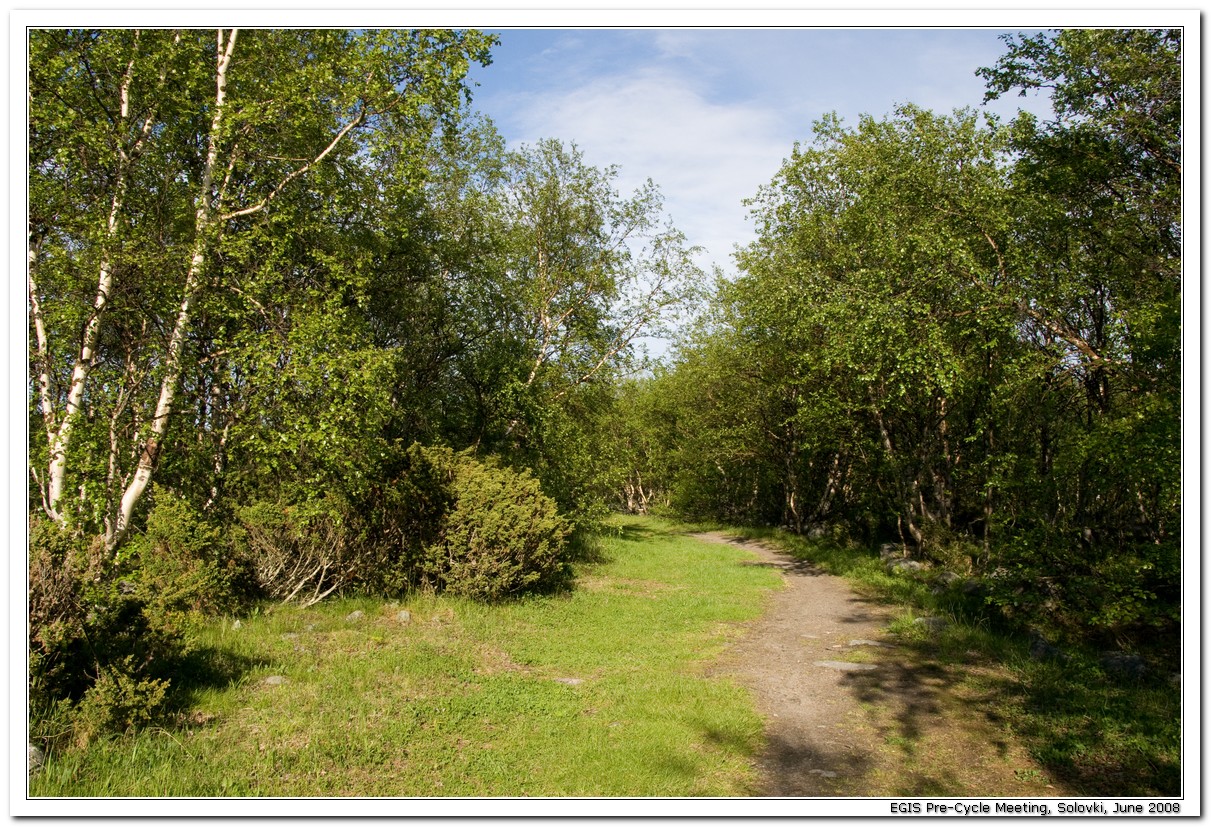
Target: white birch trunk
(59, 439)
(203, 226)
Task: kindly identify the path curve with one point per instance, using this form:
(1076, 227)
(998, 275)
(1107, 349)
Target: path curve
(853, 710)
(817, 739)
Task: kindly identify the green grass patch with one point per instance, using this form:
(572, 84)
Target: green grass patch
(599, 691)
(1097, 732)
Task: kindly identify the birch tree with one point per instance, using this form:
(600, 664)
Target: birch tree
(251, 119)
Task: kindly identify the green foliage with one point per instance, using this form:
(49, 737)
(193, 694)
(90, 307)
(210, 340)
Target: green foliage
(501, 537)
(118, 701)
(963, 336)
(100, 656)
(440, 519)
(185, 567)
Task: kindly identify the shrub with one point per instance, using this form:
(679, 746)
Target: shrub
(299, 552)
(118, 701)
(93, 643)
(502, 536)
(404, 516)
(183, 566)
(442, 520)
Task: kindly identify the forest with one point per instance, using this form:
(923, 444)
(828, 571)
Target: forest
(302, 325)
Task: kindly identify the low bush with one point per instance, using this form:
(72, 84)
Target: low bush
(185, 567)
(503, 535)
(100, 656)
(442, 520)
(300, 552)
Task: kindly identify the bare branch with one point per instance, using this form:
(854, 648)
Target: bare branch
(264, 202)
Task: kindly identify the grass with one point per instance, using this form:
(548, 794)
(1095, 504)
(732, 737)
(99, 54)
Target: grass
(1092, 732)
(597, 692)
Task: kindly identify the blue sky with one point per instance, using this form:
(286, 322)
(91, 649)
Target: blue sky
(709, 114)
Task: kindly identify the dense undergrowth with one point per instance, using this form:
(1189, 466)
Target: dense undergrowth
(109, 635)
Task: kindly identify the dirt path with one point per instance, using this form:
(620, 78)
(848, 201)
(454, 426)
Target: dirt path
(852, 711)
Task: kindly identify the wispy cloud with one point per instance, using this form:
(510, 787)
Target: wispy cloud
(709, 114)
(706, 158)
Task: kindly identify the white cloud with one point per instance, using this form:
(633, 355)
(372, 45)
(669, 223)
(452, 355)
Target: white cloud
(705, 157)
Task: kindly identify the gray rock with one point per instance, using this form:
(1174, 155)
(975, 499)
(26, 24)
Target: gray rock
(907, 566)
(274, 680)
(949, 578)
(1124, 664)
(235, 624)
(1043, 649)
(891, 551)
(570, 681)
(403, 616)
(823, 773)
(933, 624)
(867, 643)
(846, 666)
(36, 758)
(355, 616)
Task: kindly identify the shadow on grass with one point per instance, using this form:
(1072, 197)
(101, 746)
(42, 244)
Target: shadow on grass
(1092, 733)
(1097, 733)
(201, 669)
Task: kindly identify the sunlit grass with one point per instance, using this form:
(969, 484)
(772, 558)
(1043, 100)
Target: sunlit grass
(595, 692)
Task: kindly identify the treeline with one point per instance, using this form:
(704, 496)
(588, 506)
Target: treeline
(960, 336)
(302, 324)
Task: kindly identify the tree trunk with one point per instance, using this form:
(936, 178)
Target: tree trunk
(59, 439)
(204, 233)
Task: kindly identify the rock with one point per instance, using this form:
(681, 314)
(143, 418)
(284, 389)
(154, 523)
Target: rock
(403, 616)
(823, 773)
(907, 565)
(867, 643)
(274, 680)
(236, 624)
(570, 681)
(352, 617)
(816, 533)
(1124, 664)
(36, 758)
(890, 551)
(846, 666)
(949, 578)
(1043, 649)
(933, 624)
